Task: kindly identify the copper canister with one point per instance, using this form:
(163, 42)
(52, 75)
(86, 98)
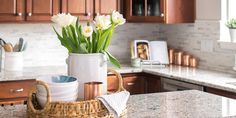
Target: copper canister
(193, 62)
(186, 60)
(92, 90)
(171, 55)
(178, 58)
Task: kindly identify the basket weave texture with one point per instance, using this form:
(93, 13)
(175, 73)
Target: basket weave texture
(79, 109)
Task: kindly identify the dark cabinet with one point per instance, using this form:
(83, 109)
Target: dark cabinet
(220, 92)
(162, 11)
(135, 84)
(153, 83)
(11, 10)
(81, 8)
(139, 83)
(41, 10)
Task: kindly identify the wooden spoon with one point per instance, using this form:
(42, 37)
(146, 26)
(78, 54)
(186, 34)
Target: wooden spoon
(8, 47)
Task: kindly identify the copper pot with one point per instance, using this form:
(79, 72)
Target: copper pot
(171, 55)
(186, 60)
(178, 58)
(193, 62)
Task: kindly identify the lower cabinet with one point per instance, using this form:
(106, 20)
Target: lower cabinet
(15, 92)
(220, 92)
(138, 83)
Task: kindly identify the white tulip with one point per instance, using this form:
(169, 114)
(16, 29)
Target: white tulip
(87, 31)
(63, 19)
(102, 22)
(117, 18)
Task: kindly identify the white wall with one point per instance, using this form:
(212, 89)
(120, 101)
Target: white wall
(208, 9)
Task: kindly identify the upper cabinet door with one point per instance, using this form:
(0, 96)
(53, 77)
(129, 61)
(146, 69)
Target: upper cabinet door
(41, 10)
(81, 8)
(11, 10)
(107, 6)
(180, 11)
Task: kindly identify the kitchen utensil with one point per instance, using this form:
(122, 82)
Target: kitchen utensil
(24, 46)
(16, 48)
(4, 42)
(21, 44)
(178, 57)
(159, 52)
(193, 62)
(171, 55)
(8, 47)
(92, 90)
(186, 60)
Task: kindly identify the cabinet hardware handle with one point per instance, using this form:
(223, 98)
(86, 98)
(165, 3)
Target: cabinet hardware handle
(19, 14)
(162, 15)
(89, 14)
(17, 90)
(29, 14)
(130, 84)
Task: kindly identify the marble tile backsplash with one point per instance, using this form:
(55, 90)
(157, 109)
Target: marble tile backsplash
(44, 48)
(188, 37)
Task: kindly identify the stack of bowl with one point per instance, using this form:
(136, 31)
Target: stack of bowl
(62, 88)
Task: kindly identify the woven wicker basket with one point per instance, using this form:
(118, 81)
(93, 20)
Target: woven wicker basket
(79, 109)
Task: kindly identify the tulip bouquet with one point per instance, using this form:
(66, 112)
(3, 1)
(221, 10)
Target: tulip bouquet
(84, 39)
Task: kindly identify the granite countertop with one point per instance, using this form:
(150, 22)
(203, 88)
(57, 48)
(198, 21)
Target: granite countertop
(179, 104)
(197, 76)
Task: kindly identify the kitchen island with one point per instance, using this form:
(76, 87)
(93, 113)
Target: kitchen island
(179, 104)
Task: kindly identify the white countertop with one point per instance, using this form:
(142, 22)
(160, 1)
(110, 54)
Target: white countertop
(197, 76)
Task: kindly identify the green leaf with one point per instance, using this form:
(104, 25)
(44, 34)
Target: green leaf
(74, 35)
(82, 48)
(108, 40)
(102, 39)
(94, 41)
(69, 40)
(112, 59)
(63, 41)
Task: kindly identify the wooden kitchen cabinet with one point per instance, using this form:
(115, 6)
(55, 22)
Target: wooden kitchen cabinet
(81, 8)
(11, 10)
(133, 83)
(105, 7)
(153, 83)
(161, 11)
(220, 92)
(15, 92)
(137, 83)
(41, 10)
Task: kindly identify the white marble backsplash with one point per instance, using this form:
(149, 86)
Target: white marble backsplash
(44, 48)
(188, 37)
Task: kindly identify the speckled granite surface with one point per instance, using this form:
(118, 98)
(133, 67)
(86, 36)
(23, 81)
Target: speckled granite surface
(197, 76)
(180, 104)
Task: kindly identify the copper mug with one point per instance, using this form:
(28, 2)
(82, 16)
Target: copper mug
(92, 90)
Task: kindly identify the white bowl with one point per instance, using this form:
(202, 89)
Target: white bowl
(59, 85)
(42, 99)
(60, 93)
(57, 91)
(58, 80)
